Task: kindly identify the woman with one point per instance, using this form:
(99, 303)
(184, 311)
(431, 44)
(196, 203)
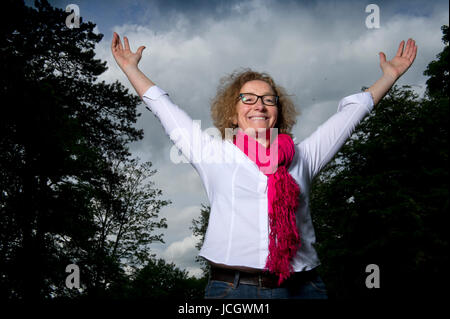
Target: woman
(260, 236)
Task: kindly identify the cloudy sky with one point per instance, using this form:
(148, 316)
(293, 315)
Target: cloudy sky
(320, 51)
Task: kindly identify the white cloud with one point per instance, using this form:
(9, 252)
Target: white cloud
(182, 253)
(195, 271)
(178, 249)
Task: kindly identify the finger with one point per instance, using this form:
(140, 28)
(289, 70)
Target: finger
(382, 57)
(118, 43)
(407, 51)
(410, 49)
(413, 56)
(141, 48)
(400, 49)
(113, 42)
(127, 45)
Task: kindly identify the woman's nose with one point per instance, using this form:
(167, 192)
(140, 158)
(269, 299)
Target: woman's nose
(259, 104)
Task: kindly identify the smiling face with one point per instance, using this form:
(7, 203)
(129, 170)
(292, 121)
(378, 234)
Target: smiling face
(257, 116)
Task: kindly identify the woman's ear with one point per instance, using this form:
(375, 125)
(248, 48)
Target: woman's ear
(234, 120)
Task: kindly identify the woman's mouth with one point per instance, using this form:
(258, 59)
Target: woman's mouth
(258, 118)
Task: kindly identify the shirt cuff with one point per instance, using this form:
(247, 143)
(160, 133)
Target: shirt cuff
(154, 92)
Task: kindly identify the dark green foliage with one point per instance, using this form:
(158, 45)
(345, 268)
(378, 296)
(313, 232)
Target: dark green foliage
(199, 229)
(438, 70)
(161, 280)
(69, 191)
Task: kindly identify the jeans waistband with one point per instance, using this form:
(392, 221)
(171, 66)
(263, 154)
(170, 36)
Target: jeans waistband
(263, 279)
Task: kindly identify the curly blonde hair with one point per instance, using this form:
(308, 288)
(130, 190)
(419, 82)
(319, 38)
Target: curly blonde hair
(223, 105)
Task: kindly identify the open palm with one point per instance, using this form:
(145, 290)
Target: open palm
(402, 60)
(123, 55)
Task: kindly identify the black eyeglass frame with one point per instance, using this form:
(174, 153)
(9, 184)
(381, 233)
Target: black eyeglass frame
(257, 97)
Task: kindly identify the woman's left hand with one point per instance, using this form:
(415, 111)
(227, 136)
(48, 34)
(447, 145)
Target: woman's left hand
(402, 60)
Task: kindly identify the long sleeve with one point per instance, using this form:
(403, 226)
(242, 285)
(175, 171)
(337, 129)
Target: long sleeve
(321, 146)
(185, 133)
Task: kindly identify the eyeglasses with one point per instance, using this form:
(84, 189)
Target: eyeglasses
(250, 98)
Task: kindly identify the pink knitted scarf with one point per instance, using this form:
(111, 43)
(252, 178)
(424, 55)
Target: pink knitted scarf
(283, 196)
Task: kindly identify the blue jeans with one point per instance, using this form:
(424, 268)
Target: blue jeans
(313, 289)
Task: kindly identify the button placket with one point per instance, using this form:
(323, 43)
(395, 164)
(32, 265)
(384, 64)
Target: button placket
(262, 185)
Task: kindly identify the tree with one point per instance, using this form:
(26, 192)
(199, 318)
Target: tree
(125, 211)
(64, 162)
(384, 197)
(438, 70)
(161, 280)
(199, 229)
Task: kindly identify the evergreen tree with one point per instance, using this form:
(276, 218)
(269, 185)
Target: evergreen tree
(66, 192)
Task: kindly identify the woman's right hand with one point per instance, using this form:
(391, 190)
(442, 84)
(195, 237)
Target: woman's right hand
(124, 57)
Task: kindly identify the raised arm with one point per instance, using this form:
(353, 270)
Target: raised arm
(178, 125)
(393, 69)
(128, 62)
(321, 146)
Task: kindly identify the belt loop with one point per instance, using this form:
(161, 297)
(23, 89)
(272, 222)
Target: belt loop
(236, 279)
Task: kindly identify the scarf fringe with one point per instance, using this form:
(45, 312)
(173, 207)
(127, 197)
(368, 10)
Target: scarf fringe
(284, 237)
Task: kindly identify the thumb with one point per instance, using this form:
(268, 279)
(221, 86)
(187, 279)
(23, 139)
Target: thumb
(382, 57)
(141, 48)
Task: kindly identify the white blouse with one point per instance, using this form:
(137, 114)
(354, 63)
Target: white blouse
(238, 229)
